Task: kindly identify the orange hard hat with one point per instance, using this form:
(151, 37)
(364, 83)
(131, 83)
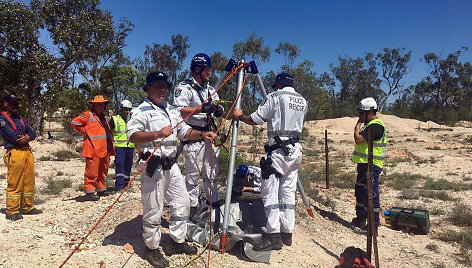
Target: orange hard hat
(99, 99)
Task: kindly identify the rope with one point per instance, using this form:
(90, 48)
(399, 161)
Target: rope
(141, 168)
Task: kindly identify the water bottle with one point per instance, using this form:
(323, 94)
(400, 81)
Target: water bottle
(387, 217)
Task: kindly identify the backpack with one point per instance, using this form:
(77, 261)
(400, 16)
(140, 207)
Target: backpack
(354, 257)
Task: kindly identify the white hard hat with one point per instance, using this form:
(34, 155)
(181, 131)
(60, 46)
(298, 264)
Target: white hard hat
(126, 104)
(367, 104)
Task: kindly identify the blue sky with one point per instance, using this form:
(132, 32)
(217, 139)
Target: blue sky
(323, 30)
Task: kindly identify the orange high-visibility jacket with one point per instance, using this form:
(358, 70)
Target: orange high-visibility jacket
(95, 142)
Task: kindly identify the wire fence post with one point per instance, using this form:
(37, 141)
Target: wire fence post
(327, 159)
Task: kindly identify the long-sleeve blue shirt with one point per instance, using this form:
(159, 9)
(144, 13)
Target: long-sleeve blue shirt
(10, 135)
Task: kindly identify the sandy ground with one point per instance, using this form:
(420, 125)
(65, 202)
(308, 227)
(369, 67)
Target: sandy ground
(45, 240)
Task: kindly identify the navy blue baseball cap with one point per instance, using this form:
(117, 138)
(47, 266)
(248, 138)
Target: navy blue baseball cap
(10, 98)
(156, 78)
(283, 79)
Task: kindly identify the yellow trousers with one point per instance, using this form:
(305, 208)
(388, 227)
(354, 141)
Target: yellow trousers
(20, 179)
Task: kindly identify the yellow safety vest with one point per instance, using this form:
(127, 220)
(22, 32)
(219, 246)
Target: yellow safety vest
(119, 133)
(361, 150)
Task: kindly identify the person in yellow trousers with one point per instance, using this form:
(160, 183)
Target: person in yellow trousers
(97, 147)
(18, 159)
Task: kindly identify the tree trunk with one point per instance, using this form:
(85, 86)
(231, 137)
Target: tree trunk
(35, 112)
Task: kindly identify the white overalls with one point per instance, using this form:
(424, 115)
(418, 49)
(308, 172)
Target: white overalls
(168, 184)
(197, 153)
(284, 111)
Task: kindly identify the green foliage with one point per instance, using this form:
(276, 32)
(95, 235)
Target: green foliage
(55, 186)
(400, 181)
(439, 195)
(442, 184)
(224, 164)
(461, 215)
(64, 155)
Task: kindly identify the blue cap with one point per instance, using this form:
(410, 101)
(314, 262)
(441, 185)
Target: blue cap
(200, 60)
(242, 171)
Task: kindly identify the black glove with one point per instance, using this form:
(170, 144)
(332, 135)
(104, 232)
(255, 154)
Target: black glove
(219, 110)
(208, 108)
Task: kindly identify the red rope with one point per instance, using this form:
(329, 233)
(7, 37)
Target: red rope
(141, 168)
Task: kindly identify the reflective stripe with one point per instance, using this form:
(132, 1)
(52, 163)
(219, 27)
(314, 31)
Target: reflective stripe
(376, 209)
(365, 156)
(359, 205)
(126, 177)
(120, 174)
(279, 93)
(283, 133)
(98, 137)
(92, 118)
(120, 141)
(176, 218)
(75, 123)
(286, 206)
(89, 191)
(14, 196)
(379, 144)
(146, 108)
(269, 207)
(28, 194)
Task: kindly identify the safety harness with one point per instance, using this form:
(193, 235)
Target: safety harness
(266, 162)
(7, 116)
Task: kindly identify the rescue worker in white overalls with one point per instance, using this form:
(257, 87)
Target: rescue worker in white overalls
(188, 95)
(124, 150)
(151, 121)
(284, 111)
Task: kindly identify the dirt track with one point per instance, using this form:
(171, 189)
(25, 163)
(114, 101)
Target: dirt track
(45, 240)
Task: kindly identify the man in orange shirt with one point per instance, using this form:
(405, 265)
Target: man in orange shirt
(97, 147)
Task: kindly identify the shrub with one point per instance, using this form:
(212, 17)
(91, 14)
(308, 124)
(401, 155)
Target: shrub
(56, 186)
(64, 155)
(435, 147)
(433, 247)
(461, 215)
(443, 184)
(409, 194)
(440, 195)
(224, 164)
(344, 180)
(3, 176)
(59, 173)
(44, 158)
(400, 181)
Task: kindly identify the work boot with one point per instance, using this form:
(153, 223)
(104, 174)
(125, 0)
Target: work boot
(359, 222)
(155, 258)
(91, 197)
(14, 217)
(34, 211)
(286, 238)
(269, 242)
(173, 248)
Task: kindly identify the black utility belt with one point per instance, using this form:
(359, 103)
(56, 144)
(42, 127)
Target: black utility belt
(190, 142)
(199, 128)
(280, 144)
(156, 161)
